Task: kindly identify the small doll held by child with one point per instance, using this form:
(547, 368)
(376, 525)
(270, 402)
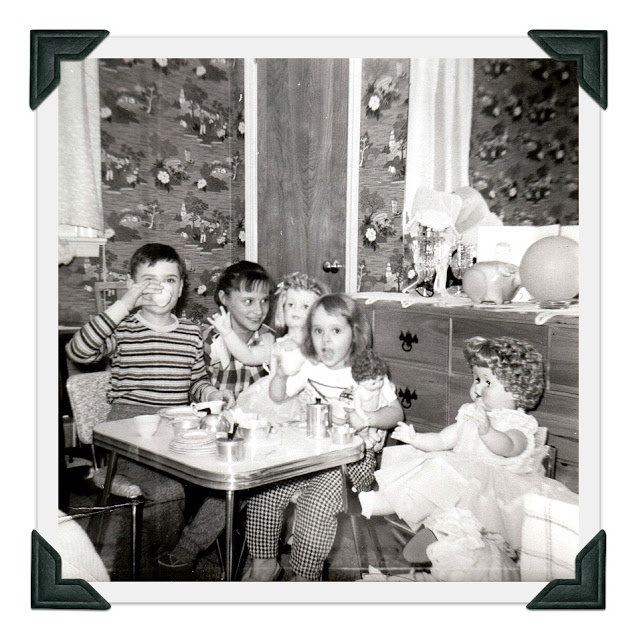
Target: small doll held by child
(293, 299)
(487, 461)
(369, 372)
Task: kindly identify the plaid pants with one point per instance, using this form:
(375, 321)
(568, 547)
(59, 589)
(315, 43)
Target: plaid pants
(320, 501)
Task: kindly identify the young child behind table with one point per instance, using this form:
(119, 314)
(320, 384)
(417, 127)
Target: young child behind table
(294, 296)
(156, 361)
(369, 371)
(337, 331)
(487, 461)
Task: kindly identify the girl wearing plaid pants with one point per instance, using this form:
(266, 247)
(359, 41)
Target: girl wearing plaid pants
(337, 330)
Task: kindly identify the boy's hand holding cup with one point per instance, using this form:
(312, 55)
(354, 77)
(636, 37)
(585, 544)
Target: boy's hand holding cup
(136, 290)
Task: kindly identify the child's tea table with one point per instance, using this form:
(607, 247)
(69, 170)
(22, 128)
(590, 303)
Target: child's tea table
(287, 453)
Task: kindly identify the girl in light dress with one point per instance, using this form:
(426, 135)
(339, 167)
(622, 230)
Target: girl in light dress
(294, 296)
(487, 461)
(337, 331)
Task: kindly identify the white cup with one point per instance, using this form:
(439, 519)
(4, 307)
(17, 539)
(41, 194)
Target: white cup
(146, 425)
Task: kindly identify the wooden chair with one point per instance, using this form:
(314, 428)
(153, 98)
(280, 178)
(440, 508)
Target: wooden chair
(107, 292)
(87, 394)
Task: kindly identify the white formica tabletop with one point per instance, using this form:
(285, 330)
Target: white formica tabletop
(286, 453)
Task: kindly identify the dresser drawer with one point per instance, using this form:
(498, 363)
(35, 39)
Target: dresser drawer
(564, 359)
(567, 450)
(422, 393)
(412, 337)
(464, 328)
(559, 414)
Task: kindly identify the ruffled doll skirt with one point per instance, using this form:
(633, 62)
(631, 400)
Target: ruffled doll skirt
(419, 484)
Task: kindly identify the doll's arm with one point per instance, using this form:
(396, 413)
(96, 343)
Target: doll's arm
(249, 355)
(358, 403)
(507, 444)
(441, 441)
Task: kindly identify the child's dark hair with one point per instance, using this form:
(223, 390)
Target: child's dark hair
(243, 275)
(155, 252)
(368, 366)
(517, 364)
(342, 305)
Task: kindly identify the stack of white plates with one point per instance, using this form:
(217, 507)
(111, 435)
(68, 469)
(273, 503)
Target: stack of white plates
(194, 442)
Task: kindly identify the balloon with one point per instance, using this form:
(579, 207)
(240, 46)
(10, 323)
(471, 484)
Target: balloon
(549, 269)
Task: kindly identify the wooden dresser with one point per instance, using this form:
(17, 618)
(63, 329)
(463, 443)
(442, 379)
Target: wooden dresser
(422, 345)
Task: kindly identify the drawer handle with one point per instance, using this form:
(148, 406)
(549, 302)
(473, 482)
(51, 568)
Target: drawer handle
(406, 397)
(408, 340)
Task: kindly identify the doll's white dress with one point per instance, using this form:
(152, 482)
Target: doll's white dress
(418, 484)
(256, 398)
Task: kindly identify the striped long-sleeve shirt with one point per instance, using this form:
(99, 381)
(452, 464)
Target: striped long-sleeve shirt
(149, 365)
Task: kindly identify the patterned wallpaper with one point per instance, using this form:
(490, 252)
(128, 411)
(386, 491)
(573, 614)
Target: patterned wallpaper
(172, 171)
(173, 165)
(524, 154)
(383, 145)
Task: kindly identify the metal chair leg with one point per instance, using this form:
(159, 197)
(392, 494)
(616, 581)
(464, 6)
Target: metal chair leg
(110, 473)
(137, 513)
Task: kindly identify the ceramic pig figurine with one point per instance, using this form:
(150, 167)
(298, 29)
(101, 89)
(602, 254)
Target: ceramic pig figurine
(491, 281)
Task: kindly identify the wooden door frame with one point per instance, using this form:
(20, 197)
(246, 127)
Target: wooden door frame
(251, 156)
(353, 155)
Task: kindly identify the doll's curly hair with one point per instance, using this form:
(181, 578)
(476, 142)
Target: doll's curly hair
(368, 366)
(517, 364)
(296, 280)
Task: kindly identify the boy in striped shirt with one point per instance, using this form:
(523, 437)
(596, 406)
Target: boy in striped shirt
(156, 361)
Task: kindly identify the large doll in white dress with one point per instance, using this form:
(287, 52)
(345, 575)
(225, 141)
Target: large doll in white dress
(295, 294)
(487, 461)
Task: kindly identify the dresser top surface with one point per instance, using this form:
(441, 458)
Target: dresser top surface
(524, 312)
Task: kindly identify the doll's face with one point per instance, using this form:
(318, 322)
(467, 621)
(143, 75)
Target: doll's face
(372, 384)
(487, 391)
(296, 307)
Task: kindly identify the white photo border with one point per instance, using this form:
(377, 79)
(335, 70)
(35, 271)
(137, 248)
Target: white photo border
(347, 47)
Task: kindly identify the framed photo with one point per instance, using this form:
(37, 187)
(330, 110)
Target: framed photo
(203, 192)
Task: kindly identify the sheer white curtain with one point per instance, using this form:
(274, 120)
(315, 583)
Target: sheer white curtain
(440, 103)
(80, 215)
